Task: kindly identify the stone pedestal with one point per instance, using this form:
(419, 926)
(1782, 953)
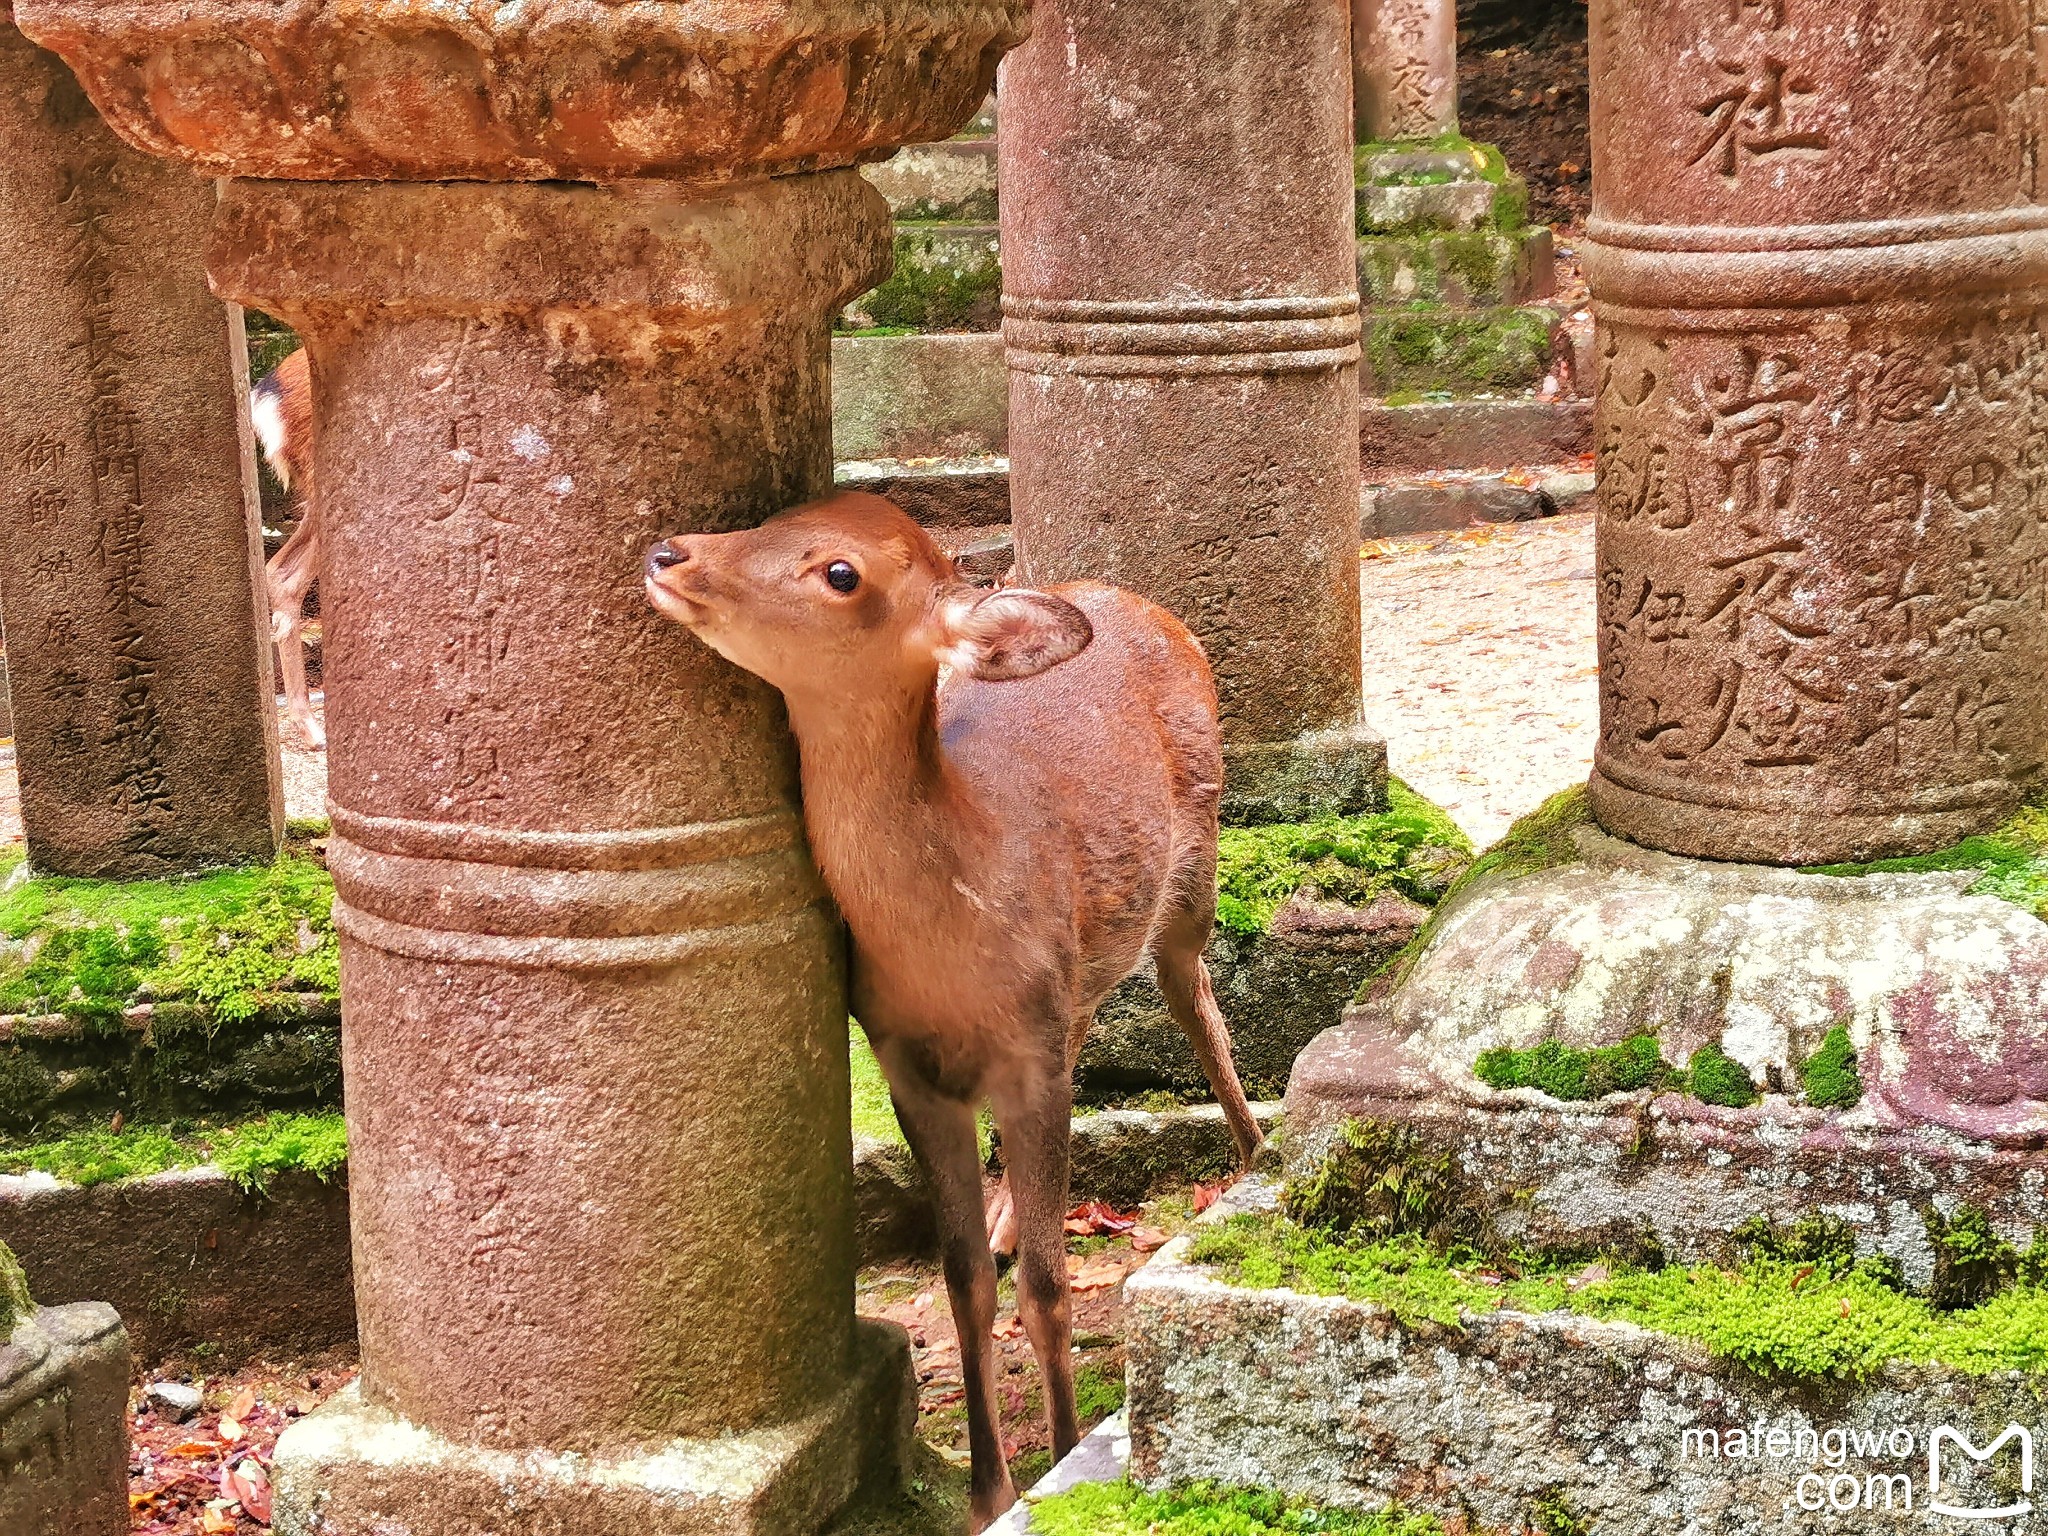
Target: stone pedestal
(1404, 62)
(1819, 267)
(1181, 312)
(63, 1420)
(130, 564)
(593, 1003)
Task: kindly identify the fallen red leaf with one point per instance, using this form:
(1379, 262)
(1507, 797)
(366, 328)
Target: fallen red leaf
(1149, 1239)
(1207, 1195)
(243, 1405)
(1098, 1218)
(248, 1485)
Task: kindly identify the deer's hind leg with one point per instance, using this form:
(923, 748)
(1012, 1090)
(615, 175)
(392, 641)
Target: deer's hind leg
(1191, 998)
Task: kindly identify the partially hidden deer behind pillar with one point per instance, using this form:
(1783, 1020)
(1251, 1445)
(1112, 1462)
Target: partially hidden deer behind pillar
(281, 410)
(1013, 797)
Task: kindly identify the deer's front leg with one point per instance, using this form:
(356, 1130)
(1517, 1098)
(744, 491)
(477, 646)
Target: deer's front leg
(941, 1136)
(1036, 1118)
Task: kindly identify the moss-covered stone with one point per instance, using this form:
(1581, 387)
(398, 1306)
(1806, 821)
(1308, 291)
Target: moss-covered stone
(1566, 1073)
(250, 1152)
(1461, 269)
(1464, 351)
(948, 277)
(2013, 860)
(15, 1301)
(1208, 1509)
(1377, 1182)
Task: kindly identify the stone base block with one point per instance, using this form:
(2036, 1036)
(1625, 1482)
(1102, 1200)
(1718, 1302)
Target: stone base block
(1551, 1422)
(1935, 996)
(1479, 267)
(1439, 503)
(948, 277)
(953, 179)
(1102, 1457)
(64, 1424)
(919, 397)
(1344, 770)
(354, 1469)
(188, 1258)
(1471, 434)
(959, 500)
(1464, 351)
(1279, 990)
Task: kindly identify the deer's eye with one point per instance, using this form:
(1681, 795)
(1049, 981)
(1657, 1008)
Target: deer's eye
(841, 577)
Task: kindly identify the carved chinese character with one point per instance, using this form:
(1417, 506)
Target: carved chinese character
(1752, 119)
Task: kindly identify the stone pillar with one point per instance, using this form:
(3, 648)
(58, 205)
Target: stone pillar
(130, 553)
(1181, 314)
(1404, 66)
(594, 1011)
(63, 1415)
(1820, 268)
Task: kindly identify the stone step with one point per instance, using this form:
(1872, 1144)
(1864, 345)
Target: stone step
(946, 397)
(1441, 504)
(955, 179)
(1464, 270)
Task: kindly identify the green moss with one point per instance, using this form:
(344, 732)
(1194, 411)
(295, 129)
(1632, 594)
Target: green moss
(1774, 1316)
(1818, 1239)
(1972, 1263)
(1206, 1509)
(1378, 1181)
(1714, 1077)
(1566, 1073)
(2013, 860)
(235, 941)
(1098, 1392)
(102, 1156)
(251, 1153)
(1353, 859)
(1424, 347)
(1553, 1514)
(1829, 1077)
(874, 1113)
(942, 282)
(15, 1301)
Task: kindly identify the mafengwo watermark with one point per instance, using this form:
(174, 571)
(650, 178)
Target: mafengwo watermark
(1881, 1471)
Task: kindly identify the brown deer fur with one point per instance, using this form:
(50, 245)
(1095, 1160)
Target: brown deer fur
(1013, 797)
(281, 408)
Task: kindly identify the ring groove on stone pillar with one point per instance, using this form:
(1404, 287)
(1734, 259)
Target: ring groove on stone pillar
(1819, 264)
(1170, 338)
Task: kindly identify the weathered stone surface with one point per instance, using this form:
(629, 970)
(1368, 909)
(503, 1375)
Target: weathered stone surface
(960, 500)
(1405, 68)
(955, 179)
(236, 87)
(6, 709)
(167, 1061)
(144, 735)
(353, 1465)
(1820, 266)
(915, 397)
(176, 1401)
(1472, 434)
(947, 277)
(1279, 990)
(1183, 344)
(893, 1216)
(187, 1258)
(1101, 1457)
(1424, 506)
(1467, 270)
(1465, 203)
(1127, 1156)
(64, 1424)
(1501, 350)
(1338, 1401)
(1941, 994)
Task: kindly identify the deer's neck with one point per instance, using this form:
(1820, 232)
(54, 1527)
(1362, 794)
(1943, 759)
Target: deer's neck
(890, 820)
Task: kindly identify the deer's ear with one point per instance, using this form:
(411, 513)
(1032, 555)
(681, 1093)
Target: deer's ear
(1001, 636)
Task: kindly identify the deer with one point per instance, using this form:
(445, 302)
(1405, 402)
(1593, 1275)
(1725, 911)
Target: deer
(281, 411)
(1012, 796)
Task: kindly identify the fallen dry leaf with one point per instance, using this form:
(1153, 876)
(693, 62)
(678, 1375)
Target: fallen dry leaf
(244, 1405)
(214, 1519)
(230, 1429)
(1098, 1218)
(1010, 1327)
(1149, 1239)
(249, 1486)
(1096, 1275)
(1206, 1195)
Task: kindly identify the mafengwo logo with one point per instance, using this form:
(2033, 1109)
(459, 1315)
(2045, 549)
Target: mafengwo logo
(1959, 1471)
(1944, 1436)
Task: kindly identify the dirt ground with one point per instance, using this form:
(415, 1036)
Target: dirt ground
(1522, 86)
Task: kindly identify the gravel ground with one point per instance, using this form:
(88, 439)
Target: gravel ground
(1479, 670)
(1480, 667)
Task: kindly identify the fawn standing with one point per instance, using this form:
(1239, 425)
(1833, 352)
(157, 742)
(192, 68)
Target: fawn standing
(1013, 797)
(281, 410)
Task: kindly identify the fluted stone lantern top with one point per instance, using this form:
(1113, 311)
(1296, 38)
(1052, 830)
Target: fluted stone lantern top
(414, 90)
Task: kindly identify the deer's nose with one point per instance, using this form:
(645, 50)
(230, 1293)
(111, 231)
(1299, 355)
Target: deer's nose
(664, 555)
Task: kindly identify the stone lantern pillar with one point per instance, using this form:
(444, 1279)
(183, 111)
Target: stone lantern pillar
(594, 1016)
(1404, 65)
(1180, 293)
(1819, 264)
(130, 551)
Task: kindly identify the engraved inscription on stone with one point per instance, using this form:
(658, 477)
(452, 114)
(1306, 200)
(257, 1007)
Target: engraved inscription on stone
(1822, 552)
